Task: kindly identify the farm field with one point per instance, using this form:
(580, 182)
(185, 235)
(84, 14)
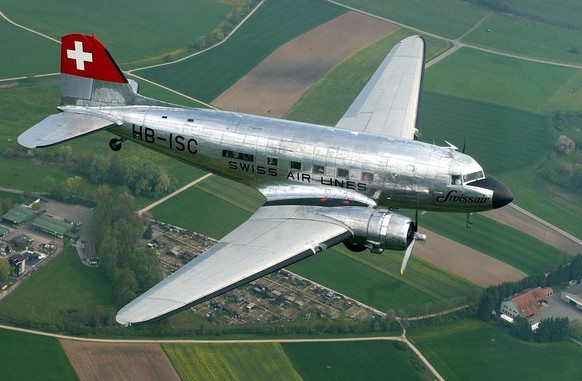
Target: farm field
(474, 350)
(334, 41)
(63, 286)
(207, 76)
(119, 361)
(32, 357)
(133, 32)
(370, 360)
(261, 361)
(533, 38)
(449, 18)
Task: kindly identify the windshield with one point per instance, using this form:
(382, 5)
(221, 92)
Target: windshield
(473, 177)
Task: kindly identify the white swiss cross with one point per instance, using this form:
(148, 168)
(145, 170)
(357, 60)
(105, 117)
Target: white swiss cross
(79, 55)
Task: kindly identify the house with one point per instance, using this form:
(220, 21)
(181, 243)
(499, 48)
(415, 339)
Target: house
(525, 304)
(19, 263)
(573, 295)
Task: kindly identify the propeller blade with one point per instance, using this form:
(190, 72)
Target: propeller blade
(407, 256)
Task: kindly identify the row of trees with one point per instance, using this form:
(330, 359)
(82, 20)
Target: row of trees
(130, 267)
(551, 329)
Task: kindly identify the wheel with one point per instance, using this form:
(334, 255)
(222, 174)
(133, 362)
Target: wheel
(355, 247)
(115, 144)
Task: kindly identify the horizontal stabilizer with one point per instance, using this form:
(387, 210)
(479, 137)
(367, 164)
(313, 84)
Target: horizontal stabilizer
(61, 127)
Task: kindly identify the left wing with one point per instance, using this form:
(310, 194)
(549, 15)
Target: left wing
(388, 103)
(274, 237)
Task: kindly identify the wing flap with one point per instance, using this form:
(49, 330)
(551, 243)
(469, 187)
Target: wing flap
(274, 237)
(61, 127)
(388, 103)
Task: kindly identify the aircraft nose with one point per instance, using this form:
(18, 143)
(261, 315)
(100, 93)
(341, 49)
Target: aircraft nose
(501, 193)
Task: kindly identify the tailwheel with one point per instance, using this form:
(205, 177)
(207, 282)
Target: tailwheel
(115, 144)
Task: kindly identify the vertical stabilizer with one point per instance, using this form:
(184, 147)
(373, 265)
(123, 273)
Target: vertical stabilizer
(90, 76)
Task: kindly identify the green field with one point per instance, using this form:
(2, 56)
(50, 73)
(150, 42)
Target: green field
(474, 350)
(448, 18)
(206, 76)
(526, 37)
(261, 361)
(488, 78)
(131, 31)
(32, 357)
(370, 360)
(63, 285)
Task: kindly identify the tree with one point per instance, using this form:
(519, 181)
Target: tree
(521, 328)
(4, 269)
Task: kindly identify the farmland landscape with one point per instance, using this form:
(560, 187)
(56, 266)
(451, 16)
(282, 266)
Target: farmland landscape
(501, 107)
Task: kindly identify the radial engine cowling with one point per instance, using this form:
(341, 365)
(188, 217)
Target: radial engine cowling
(375, 229)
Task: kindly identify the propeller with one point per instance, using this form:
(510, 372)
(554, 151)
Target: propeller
(414, 235)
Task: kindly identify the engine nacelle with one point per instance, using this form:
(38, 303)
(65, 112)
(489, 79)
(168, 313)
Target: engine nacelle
(376, 229)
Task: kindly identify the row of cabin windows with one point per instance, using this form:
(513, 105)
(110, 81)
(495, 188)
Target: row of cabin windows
(294, 165)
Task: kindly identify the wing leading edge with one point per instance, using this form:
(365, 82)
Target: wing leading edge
(388, 103)
(274, 237)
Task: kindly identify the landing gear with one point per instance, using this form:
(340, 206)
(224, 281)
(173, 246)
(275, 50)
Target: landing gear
(115, 144)
(355, 247)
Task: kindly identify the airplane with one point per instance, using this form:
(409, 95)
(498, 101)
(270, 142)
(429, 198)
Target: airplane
(322, 185)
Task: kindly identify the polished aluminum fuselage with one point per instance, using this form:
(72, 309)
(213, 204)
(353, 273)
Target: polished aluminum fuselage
(266, 153)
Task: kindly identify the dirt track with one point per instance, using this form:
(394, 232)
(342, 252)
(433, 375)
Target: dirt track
(273, 86)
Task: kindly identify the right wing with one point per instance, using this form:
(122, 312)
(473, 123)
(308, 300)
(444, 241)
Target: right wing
(388, 103)
(274, 237)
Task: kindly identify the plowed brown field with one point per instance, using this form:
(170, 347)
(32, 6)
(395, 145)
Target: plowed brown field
(123, 362)
(273, 86)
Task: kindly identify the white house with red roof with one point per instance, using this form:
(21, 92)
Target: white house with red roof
(526, 304)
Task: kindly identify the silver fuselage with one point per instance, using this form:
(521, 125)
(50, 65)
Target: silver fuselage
(265, 152)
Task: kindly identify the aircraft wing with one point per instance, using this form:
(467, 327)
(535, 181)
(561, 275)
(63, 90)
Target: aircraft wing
(388, 103)
(274, 237)
(61, 127)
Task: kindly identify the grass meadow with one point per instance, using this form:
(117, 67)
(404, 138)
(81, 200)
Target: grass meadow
(63, 284)
(474, 350)
(206, 76)
(294, 361)
(261, 361)
(132, 31)
(532, 38)
(448, 18)
(370, 360)
(32, 357)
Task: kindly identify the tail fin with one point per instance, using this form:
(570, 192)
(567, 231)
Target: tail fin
(90, 76)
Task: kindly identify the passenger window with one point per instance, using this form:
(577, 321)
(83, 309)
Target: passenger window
(367, 176)
(342, 172)
(319, 169)
(272, 161)
(296, 165)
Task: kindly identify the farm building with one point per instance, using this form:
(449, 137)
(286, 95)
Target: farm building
(573, 295)
(18, 214)
(54, 227)
(525, 304)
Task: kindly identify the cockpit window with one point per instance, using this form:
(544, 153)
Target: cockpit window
(473, 176)
(456, 180)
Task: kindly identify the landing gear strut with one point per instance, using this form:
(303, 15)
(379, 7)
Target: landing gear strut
(115, 144)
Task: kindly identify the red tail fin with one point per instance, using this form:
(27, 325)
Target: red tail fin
(84, 56)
